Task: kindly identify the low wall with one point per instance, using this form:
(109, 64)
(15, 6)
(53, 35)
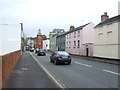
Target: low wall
(8, 63)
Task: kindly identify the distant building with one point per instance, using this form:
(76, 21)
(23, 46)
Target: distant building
(30, 42)
(46, 44)
(53, 36)
(79, 40)
(106, 43)
(60, 42)
(39, 40)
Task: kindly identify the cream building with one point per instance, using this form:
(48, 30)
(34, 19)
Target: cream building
(106, 42)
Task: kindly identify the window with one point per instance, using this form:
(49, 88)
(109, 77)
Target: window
(78, 33)
(74, 34)
(69, 44)
(74, 44)
(70, 35)
(78, 43)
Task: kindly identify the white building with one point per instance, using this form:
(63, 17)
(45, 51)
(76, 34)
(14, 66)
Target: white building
(10, 49)
(106, 42)
(46, 44)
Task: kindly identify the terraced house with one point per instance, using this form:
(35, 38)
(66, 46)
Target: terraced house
(52, 36)
(107, 43)
(60, 42)
(79, 40)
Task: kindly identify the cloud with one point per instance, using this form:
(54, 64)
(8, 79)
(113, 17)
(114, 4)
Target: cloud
(50, 14)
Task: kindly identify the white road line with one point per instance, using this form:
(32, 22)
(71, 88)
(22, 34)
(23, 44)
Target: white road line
(83, 64)
(57, 81)
(111, 72)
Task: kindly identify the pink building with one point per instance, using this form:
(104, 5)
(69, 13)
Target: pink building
(79, 40)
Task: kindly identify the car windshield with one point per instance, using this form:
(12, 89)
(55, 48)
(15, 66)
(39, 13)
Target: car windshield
(41, 50)
(63, 53)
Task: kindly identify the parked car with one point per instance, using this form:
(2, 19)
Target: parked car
(32, 50)
(60, 57)
(41, 52)
(27, 48)
(36, 50)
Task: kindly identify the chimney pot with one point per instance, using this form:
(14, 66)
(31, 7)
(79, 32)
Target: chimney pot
(72, 27)
(104, 17)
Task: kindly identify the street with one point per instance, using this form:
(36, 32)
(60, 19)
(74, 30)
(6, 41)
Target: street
(81, 73)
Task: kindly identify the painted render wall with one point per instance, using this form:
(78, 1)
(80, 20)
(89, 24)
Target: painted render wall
(46, 42)
(85, 38)
(10, 38)
(119, 38)
(53, 47)
(10, 49)
(106, 41)
(60, 42)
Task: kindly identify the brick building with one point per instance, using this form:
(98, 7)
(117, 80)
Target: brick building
(39, 40)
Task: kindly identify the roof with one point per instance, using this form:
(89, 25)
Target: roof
(110, 20)
(39, 32)
(76, 29)
(58, 30)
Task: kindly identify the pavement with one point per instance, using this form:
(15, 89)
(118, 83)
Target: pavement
(28, 74)
(104, 60)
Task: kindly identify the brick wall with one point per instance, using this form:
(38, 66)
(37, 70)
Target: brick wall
(0, 71)
(8, 63)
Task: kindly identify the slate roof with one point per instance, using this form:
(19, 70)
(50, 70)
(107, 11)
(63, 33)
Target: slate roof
(110, 20)
(76, 29)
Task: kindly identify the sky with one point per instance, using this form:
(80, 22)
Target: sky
(54, 14)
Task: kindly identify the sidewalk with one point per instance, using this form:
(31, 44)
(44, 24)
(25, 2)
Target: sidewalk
(28, 74)
(104, 60)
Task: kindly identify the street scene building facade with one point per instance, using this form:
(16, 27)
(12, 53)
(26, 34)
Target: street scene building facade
(106, 42)
(60, 42)
(30, 42)
(36, 42)
(53, 36)
(46, 44)
(79, 40)
(10, 48)
(39, 40)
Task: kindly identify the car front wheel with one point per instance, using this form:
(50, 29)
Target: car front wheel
(51, 60)
(56, 62)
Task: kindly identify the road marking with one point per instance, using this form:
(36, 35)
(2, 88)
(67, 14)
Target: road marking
(111, 72)
(57, 81)
(83, 64)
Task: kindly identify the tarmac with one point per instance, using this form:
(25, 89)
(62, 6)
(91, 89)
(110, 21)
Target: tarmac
(28, 74)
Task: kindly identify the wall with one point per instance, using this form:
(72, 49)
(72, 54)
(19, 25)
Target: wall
(8, 63)
(10, 39)
(85, 37)
(10, 49)
(60, 43)
(106, 41)
(53, 44)
(46, 42)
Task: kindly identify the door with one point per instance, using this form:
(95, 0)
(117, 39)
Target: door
(87, 51)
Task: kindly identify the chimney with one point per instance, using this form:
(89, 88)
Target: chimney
(72, 27)
(104, 17)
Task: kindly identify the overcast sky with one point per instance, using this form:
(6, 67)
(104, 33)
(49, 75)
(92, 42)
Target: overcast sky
(50, 14)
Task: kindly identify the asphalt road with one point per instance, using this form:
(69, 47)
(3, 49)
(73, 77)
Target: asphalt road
(81, 73)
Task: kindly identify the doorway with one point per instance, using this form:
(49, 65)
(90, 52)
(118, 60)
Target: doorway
(87, 51)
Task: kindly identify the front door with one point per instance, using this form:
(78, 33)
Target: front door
(87, 51)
